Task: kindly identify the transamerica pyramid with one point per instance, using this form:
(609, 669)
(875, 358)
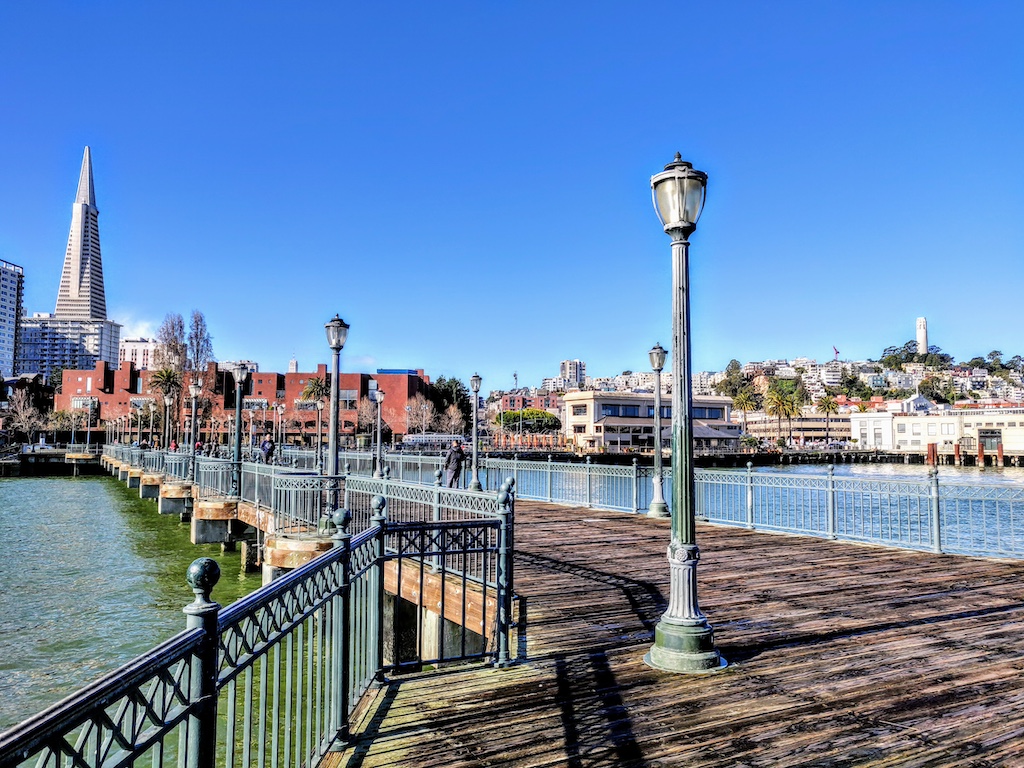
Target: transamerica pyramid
(81, 295)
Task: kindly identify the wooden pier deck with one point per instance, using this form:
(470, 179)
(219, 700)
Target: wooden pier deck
(840, 655)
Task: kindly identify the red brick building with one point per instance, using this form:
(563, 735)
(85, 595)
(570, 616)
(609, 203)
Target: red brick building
(119, 393)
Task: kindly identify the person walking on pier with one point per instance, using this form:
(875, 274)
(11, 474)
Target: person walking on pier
(453, 461)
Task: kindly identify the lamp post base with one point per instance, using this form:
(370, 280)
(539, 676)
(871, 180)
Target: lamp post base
(684, 649)
(684, 641)
(658, 509)
(658, 506)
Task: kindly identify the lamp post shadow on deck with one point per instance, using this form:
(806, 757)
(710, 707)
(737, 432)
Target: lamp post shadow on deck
(683, 640)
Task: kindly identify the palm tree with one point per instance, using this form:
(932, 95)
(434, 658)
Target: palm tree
(167, 380)
(316, 389)
(776, 404)
(827, 404)
(743, 402)
(793, 408)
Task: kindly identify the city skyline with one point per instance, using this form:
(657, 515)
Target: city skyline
(862, 173)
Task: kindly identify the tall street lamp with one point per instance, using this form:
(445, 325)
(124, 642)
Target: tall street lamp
(474, 384)
(319, 435)
(658, 506)
(683, 640)
(337, 333)
(152, 410)
(138, 422)
(239, 371)
(378, 397)
(168, 400)
(194, 390)
(280, 424)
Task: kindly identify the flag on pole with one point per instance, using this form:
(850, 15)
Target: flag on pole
(836, 351)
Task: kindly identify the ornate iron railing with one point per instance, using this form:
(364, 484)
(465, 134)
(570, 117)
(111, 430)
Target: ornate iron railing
(273, 679)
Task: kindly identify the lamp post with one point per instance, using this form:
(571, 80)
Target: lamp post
(683, 640)
(138, 421)
(194, 390)
(337, 333)
(474, 384)
(152, 409)
(168, 400)
(319, 435)
(240, 371)
(658, 506)
(378, 397)
(280, 424)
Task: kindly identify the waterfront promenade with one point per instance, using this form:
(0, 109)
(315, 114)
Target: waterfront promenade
(840, 655)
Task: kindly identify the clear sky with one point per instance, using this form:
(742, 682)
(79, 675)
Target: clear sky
(467, 183)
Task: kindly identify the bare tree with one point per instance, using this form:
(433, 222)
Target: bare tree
(171, 351)
(25, 417)
(422, 413)
(198, 346)
(452, 421)
(366, 415)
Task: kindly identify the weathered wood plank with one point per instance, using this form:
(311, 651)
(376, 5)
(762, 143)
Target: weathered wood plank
(839, 655)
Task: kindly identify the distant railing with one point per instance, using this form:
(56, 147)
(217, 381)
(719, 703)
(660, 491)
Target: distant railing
(971, 519)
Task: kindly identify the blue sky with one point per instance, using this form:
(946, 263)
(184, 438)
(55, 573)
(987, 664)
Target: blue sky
(467, 184)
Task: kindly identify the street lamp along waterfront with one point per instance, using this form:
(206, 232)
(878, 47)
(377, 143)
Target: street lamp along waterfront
(474, 384)
(683, 639)
(378, 398)
(337, 332)
(168, 402)
(194, 390)
(239, 372)
(658, 506)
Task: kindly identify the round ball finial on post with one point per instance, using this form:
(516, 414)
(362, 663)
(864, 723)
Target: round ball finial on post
(202, 575)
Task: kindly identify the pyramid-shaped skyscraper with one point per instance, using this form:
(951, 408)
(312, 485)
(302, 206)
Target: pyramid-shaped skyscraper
(77, 335)
(81, 294)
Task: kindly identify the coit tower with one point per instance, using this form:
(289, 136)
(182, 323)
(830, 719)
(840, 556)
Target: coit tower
(922, 336)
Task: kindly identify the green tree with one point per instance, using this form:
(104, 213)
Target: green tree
(167, 380)
(533, 420)
(744, 401)
(315, 389)
(56, 379)
(450, 391)
(827, 405)
(734, 380)
(776, 403)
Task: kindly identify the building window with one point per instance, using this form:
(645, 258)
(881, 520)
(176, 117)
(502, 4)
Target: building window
(579, 429)
(933, 429)
(947, 429)
(901, 429)
(579, 410)
(631, 411)
(915, 429)
(609, 410)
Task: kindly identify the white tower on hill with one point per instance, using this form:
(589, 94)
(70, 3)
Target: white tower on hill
(922, 336)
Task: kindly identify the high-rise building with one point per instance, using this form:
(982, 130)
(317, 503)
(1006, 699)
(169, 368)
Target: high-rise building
(140, 352)
(922, 336)
(573, 370)
(12, 285)
(78, 334)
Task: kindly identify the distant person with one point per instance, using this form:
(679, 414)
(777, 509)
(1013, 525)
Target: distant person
(453, 461)
(267, 449)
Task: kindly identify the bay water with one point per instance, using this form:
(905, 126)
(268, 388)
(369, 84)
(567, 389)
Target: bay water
(91, 576)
